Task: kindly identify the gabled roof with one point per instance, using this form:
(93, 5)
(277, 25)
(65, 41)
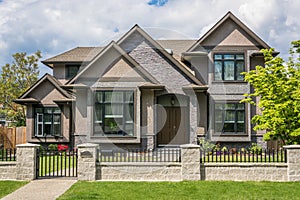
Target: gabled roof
(76, 55)
(229, 15)
(52, 80)
(123, 54)
(162, 50)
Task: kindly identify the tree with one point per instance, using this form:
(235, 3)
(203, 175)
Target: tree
(15, 79)
(277, 84)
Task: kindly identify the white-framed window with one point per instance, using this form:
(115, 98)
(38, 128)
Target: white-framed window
(47, 121)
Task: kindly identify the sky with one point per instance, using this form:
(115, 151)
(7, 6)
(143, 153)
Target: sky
(55, 26)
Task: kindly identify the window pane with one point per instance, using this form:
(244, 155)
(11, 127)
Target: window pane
(240, 106)
(56, 119)
(240, 116)
(219, 116)
(98, 97)
(117, 110)
(48, 119)
(72, 70)
(218, 57)
(230, 106)
(228, 127)
(239, 57)
(228, 57)
(107, 97)
(48, 129)
(241, 127)
(229, 70)
(129, 113)
(56, 129)
(230, 116)
(239, 69)
(39, 110)
(117, 97)
(218, 127)
(56, 110)
(129, 97)
(218, 70)
(98, 113)
(40, 129)
(219, 106)
(48, 110)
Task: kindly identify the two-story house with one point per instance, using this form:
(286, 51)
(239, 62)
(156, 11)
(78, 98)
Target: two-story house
(144, 93)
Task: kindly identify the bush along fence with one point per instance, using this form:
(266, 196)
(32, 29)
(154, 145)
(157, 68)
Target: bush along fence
(187, 164)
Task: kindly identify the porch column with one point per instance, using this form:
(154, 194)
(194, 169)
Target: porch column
(87, 161)
(190, 162)
(26, 161)
(147, 112)
(293, 161)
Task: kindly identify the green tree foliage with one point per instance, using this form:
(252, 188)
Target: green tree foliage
(15, 79)
(277, 85)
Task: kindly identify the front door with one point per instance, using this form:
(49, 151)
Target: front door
(175, 129)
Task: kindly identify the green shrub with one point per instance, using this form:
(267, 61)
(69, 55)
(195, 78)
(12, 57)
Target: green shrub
(52, 147)
(256, 148)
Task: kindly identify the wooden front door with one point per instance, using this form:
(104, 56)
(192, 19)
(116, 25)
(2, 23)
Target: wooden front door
(175, 129)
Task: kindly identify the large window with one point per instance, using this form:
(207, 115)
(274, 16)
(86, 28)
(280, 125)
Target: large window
(230, 118)
(114, 113)
(47, 121)
(72, 70)
(228, 67)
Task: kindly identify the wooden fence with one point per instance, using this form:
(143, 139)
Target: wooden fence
(11, 136)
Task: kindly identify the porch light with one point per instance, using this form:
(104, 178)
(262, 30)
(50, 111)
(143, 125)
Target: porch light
(172, 100)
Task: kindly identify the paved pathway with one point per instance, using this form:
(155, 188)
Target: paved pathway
(42, 189)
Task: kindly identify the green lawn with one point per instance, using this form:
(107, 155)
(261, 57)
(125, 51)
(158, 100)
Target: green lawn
(7, 187)
(183, 190)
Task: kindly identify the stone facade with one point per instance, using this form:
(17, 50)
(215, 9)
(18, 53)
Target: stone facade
(8, 170)
(293, 161)
(190, 159)
(26, 161)
(244, 171)
(87, 158)
(139, 171)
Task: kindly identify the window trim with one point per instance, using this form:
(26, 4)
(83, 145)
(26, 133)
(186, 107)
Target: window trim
(235, 133)
(235, 80)
(122, 133)
(36, 122)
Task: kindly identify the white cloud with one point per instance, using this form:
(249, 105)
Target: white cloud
(56, 26)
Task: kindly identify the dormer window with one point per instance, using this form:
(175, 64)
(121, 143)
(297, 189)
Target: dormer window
(228, 67)
(72, 70)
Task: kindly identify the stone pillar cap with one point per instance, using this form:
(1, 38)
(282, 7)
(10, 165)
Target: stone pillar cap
(87, 145)
(294, 146)
(27, 145)
(189, 146)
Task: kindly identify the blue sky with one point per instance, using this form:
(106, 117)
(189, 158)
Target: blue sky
(56, 26)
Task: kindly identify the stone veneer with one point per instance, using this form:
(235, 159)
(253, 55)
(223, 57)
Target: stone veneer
(145, 171)
(8, 170)
(190, 159)
(244, 171)
(87, 158)
(26, 161)
(293, 161)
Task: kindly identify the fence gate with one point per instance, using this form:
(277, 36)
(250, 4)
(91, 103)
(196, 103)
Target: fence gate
(53, 163)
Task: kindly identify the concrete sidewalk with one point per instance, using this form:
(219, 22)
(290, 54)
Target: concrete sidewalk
(42, 189)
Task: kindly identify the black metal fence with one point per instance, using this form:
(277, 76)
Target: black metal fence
(138, 155)
(7, 154)
(54, 163)
(243, 155)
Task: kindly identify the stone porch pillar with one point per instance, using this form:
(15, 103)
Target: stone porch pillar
(190, 161)
(293, 161)
(87, 161)
(26, 161)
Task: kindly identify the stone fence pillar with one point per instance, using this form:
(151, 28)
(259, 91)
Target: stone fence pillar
(293, 161)
(190, 161)
(26, 161)
(87, 161)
